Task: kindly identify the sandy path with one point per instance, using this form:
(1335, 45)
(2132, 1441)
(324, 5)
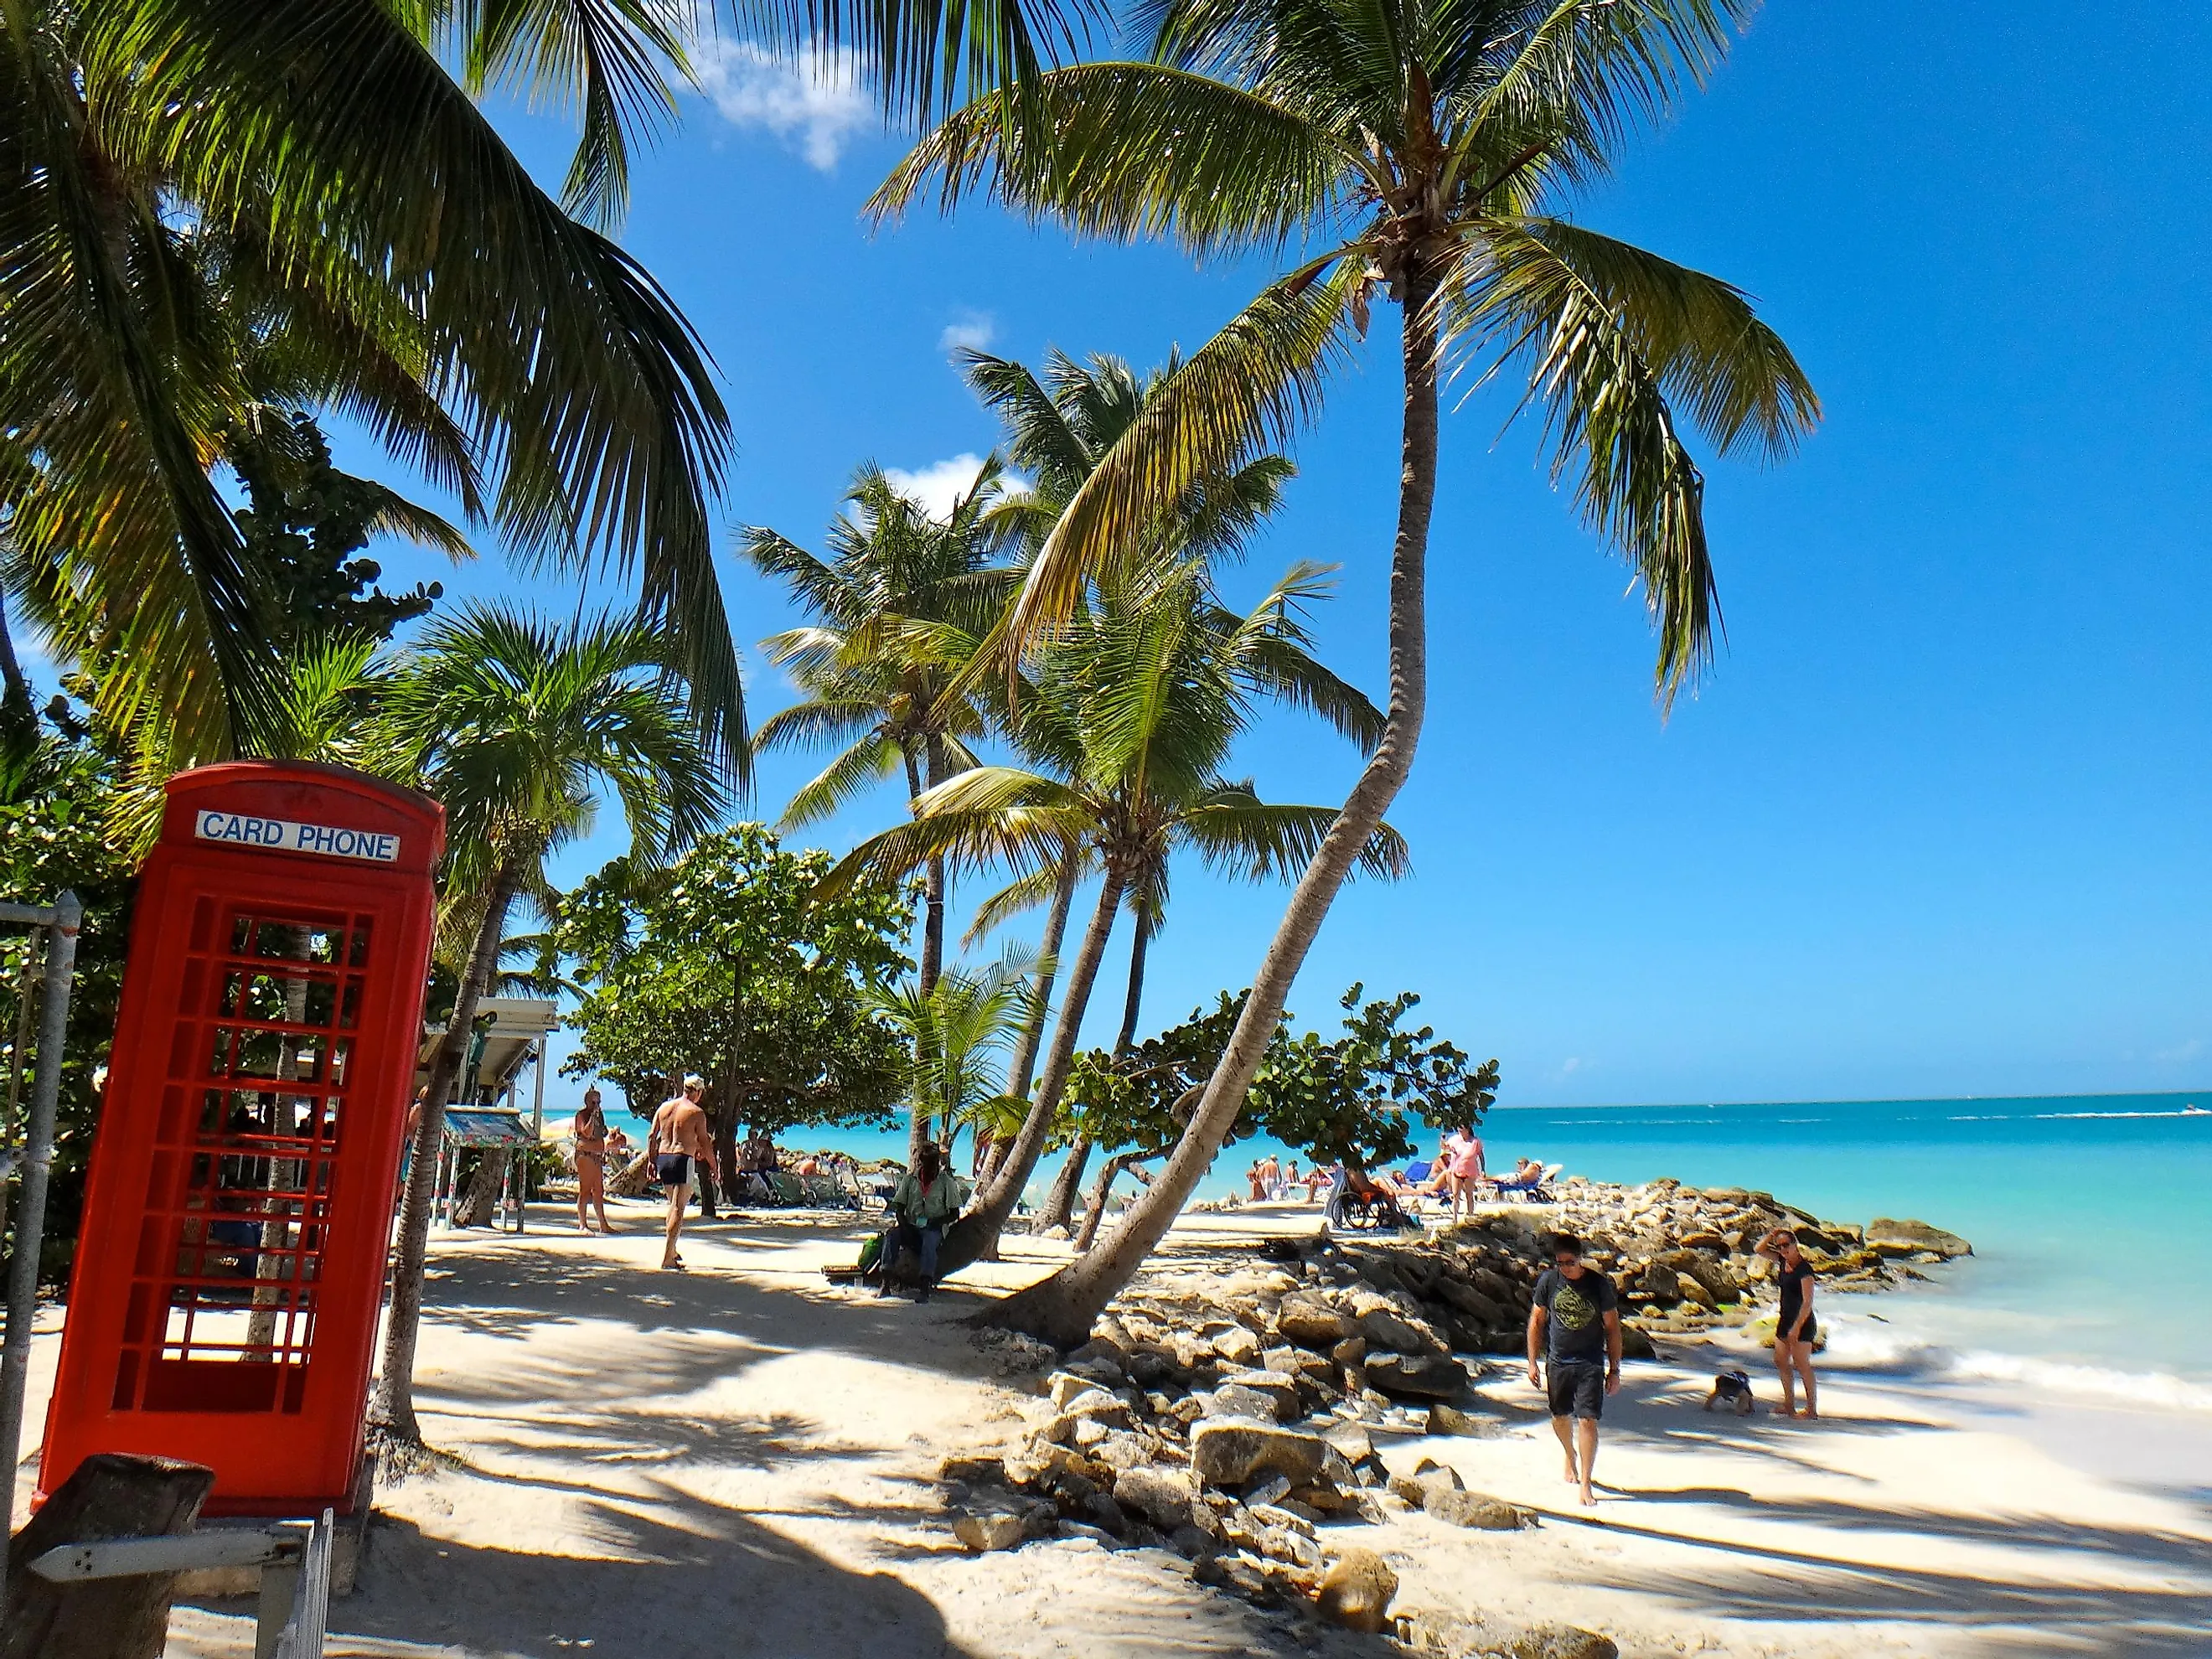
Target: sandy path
(739, 1462)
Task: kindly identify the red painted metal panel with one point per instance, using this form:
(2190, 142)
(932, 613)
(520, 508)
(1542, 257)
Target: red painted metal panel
(223, 1305)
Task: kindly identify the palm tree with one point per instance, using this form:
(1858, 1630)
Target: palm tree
(1420, 152)
(513, 724)
(334, 224)
(1058, 427)
(1129, 720)
(899, 608)
(955, 1033)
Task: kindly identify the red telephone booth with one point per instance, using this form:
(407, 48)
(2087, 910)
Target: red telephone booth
(224, 1302)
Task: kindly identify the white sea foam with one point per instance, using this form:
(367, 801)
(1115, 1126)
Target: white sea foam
(2053, 1117)
(1860, 1346)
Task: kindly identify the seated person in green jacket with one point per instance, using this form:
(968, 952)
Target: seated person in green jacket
(926, 1201)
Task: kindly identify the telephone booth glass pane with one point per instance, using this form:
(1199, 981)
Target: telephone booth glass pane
(222, 1304)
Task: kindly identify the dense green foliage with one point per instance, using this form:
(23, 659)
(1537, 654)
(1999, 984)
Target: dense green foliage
(728, 964)
(304, 527)
(52, 837)
(1345, 1100)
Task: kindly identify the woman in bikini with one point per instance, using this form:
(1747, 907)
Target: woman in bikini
(591, 1134)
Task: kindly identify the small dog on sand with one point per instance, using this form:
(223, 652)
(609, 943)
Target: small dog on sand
(1733, 1390)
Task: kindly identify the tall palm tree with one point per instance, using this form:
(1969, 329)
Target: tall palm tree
(514, 725)
(332, 224)
(1129, 721)
(898, 608)
(1420, 152)
(1058, 427)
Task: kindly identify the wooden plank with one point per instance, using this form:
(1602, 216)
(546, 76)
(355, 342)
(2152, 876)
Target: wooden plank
(111, 1496)
(192, 1552)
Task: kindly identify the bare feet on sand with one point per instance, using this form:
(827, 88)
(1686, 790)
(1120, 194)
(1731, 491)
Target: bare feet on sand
(1589, 1498)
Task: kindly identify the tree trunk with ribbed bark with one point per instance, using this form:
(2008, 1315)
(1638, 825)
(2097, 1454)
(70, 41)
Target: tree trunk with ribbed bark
(977, 1232)
(1061, 1308)
(392, 1408)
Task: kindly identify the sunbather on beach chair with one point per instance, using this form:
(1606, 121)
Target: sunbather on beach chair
(1359, 1200)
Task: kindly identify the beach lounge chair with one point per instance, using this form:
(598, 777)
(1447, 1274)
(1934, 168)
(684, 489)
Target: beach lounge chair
(787, 1191)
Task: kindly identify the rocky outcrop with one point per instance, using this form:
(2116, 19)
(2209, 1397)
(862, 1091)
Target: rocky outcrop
(1909, 1238)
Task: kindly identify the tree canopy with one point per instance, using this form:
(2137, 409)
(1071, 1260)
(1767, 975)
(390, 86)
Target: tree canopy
(728, 964)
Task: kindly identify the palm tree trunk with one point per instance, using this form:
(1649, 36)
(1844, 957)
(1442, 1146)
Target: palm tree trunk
(1059, 1206)
(1061, 1308)
(1019, 1074)
(1139, 948)
(1095, 1211)
(392, 1406)
(19, 725)
(1059, 1209)
(933, 938)
(978, 1232)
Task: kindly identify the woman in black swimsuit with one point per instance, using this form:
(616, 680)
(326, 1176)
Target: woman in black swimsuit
(1795, 1326)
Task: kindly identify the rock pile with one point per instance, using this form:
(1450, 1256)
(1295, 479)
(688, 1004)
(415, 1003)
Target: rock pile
(1228, 1411)
(1227, 1405)
(1683, 1260)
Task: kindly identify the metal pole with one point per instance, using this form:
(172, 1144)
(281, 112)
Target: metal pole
(30, 1210)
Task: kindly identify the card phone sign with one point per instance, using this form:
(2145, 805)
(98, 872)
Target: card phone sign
(283, 836)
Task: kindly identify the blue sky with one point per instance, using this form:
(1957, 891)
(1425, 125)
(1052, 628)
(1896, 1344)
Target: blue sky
(1936, 823)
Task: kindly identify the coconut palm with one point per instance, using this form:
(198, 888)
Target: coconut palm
(514, 725)
(956, 1033)
(1420, 152)
(1059, 426)
(1129, 722)
(209, 205)
(899, 607)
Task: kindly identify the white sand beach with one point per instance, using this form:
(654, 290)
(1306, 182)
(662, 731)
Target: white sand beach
(742, 1460)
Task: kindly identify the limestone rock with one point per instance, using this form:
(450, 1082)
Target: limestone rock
(1231, 1400)
(1891, 1237)
(1311, 1323)
(1417, 1376)
(1425, 1483)
(1281, 1392)
(1563, 1642)
(1228, 1453)
(1468, 1300)
(1350, 1438)
(1002, 1528)
(1162, 1496)
(1696, 1292)
(1062, 1388)
(1386, 1327)
(1237, 1346)
(1450, 1420)
(974, 1471)
(1357, 1590)
(1475, 1509)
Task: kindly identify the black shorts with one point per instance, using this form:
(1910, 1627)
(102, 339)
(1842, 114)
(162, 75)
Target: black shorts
(673, 1169)
(1812, 1328)
(1576, 1388)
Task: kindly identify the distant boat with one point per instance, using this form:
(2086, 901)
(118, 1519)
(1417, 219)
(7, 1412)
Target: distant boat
(2193, 1110)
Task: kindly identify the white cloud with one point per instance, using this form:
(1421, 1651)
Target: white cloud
(1573, 1064)
(817, 103)
(936, 487)
(971, 330)
(2181, 1053)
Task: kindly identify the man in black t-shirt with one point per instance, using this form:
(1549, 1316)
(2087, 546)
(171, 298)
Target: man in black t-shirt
(1574, 1353)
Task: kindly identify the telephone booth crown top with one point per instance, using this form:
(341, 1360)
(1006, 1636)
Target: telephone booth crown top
(325, 813)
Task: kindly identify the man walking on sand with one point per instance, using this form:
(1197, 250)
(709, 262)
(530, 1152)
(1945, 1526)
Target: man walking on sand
(680, 1140)
(1574, 1330)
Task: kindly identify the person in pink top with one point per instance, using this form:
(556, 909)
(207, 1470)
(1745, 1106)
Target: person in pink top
(1463, 1158)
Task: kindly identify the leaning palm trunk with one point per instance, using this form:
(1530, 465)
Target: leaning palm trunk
(932, 965)
(1059, 1205)
(976, 1234)
(1059, 1209)
(1020, 1071)
(1061, 1308)
(1095, 1211)
(393, 1407)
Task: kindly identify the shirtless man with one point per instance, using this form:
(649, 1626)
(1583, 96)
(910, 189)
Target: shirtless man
(680, 1137)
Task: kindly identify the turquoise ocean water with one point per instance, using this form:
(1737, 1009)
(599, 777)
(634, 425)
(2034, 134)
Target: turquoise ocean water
(2090, 1217)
